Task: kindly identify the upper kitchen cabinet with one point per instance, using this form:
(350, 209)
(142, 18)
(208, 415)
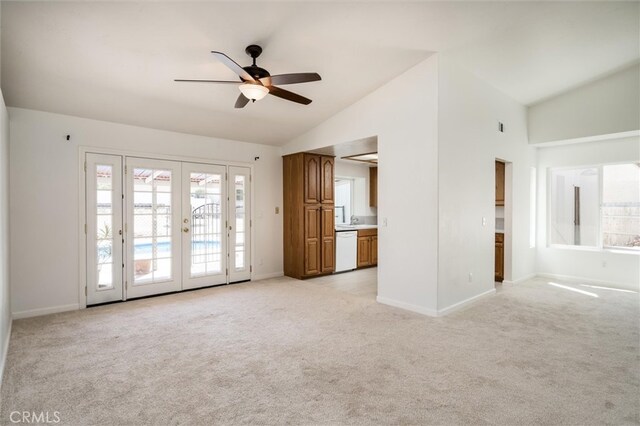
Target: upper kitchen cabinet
(499, 183)
(318, 179)
(373, 186)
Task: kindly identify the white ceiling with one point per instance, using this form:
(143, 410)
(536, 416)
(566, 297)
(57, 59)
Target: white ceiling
(116, 61)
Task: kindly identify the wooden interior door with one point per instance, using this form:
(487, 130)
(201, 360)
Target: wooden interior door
(312, 240)
(312, 179)
(328, 240)
(327, 185)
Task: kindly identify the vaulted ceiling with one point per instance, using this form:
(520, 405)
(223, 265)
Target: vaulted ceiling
(116, 61)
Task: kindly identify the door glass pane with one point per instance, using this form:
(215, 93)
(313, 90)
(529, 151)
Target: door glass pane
(206, 223)
(104, 228)
(240, 226)
(151, 225)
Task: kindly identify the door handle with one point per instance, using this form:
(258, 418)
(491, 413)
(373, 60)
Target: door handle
(185, 229)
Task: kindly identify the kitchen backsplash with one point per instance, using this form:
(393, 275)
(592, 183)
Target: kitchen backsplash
(367, 220)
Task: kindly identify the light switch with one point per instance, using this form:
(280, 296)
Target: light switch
(384, 221)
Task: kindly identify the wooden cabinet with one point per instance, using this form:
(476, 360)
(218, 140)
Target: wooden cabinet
(499, 183)
(312, 240)
(373, 186)
(309, 234)
(327, 181)
(367, 247)
(499, 260)
(311, 178)
(328, 239)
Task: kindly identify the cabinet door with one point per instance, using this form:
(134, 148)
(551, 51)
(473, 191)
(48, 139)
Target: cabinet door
(311, 178)
(373, 186)
(364, 251)
(312, 240)
(327, 181)
(499, 262)
(374, 250)
(499, 183)
(328, 240)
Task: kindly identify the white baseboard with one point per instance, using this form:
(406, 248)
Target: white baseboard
(5, 351)
(407, 306)
(463, 303)
(259, 277)
(45, 311)
(571, 278)
(519, 280)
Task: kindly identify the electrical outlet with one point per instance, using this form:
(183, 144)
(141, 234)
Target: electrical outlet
(384, 221)
(604, 263)
(277, 210)
(484, 221)
(260, 262)
(470, 277)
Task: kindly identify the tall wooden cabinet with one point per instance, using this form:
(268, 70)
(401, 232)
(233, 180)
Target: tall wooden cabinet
(309, 228)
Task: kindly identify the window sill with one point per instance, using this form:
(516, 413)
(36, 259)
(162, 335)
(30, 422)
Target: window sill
(595, 249)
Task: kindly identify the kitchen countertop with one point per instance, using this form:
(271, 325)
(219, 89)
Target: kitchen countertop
(340, 228)
(499, 231)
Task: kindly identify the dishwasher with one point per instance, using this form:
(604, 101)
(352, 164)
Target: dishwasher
(346, 250)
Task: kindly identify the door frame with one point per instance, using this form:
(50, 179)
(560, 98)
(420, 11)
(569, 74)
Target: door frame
(82, 218)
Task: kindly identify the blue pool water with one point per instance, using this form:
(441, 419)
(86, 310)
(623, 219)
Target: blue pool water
(142, 251)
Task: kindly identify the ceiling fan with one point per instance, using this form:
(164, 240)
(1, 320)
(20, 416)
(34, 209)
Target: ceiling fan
(256, 82)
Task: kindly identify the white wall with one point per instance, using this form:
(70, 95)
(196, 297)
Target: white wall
(5, 293)
(361, 193)
(469, 143)
(622, 269)
(607, 106)
(45, 183)
(404, 117)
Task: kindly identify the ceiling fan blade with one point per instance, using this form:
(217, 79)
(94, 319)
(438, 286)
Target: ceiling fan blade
(302, 77)
(241, 101)
(233, 66)
(207, 81)
(290, 96)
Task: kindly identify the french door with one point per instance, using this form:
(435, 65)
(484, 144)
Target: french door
(103, 228)
(204, 219)
(239, 224)
(158, 226)
(153, 243)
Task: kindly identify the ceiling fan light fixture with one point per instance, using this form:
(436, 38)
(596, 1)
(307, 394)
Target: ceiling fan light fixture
(255, 92)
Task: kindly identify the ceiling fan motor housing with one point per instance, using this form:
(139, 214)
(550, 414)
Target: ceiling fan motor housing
(255, 71)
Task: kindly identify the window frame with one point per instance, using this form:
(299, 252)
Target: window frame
(600, 247)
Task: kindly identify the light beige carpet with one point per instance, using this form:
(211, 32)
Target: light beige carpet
(285, 351)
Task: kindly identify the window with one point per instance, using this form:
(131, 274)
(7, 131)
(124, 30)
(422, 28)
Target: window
(532, 207)
(343, 203)
(596, 206)
(621, 206)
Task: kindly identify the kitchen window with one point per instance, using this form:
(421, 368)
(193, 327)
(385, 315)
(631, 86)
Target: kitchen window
(595, 206)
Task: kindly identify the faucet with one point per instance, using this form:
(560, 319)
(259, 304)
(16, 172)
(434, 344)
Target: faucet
(354, 220)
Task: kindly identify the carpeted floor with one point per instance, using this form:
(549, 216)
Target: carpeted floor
(285, 351)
